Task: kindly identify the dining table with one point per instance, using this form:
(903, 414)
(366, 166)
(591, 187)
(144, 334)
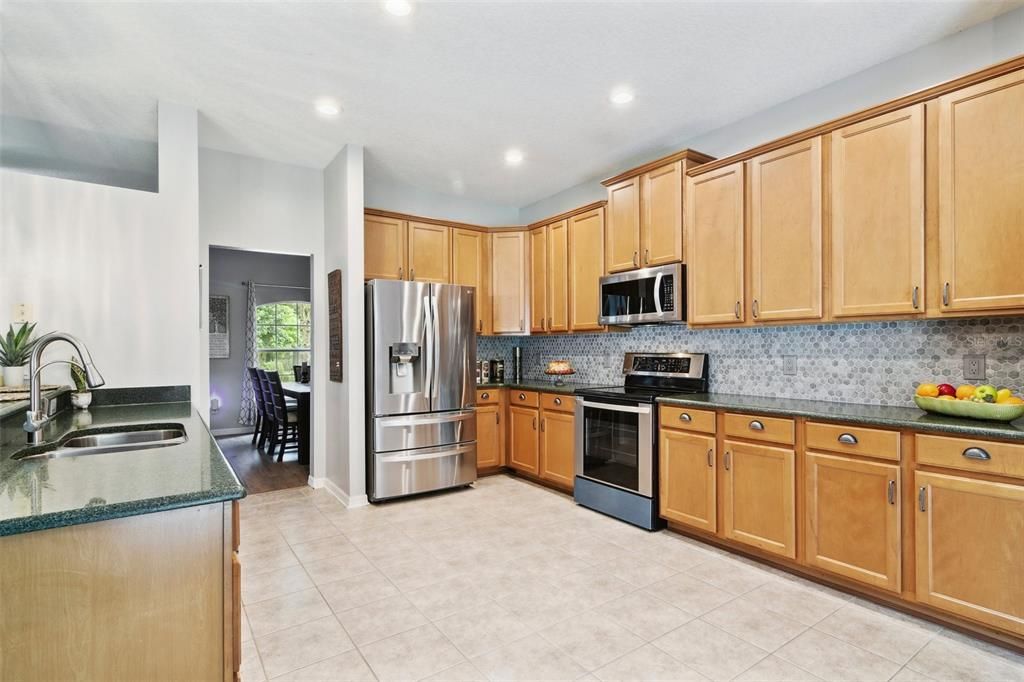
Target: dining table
(302, 394)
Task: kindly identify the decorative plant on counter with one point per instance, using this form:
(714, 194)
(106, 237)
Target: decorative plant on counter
(15, 350)
(82, 396)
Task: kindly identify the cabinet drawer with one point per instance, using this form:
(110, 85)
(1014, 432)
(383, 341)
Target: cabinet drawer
(1002, 459)
(687, 418)
(755, 427)
(855, 440)
(558, 402)
(527, 398)
(488, 396)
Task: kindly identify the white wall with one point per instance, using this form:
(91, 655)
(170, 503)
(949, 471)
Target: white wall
(259, 205)
(116, 267)
(343, 240)
(969, 50)
(394, 195)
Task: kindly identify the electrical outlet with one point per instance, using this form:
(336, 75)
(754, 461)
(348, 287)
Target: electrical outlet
(21, 312)
(974, 367)
(789, 365)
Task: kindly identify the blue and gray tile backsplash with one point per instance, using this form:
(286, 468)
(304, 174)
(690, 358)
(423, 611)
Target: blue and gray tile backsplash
(875, 363)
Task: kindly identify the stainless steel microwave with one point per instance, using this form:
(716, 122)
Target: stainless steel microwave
(644, 296)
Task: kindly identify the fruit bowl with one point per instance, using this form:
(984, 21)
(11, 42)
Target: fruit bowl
(970, 410)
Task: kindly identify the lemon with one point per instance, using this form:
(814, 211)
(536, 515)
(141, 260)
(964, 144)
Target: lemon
(928, 390)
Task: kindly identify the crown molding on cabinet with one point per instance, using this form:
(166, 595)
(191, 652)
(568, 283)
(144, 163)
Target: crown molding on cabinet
(437, 221)
(684, 155)
(568, 214)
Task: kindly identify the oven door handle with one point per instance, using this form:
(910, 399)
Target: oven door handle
(643, 409)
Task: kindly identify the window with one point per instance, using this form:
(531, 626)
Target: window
(283, 337)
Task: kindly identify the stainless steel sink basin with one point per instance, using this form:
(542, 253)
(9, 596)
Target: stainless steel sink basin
(115, 441)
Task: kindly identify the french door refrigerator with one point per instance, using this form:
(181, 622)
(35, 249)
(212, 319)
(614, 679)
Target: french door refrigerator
(420, 387)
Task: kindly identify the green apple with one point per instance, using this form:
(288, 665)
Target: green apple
(986, 393)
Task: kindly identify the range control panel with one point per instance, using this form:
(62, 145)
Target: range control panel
(654, 363)
(689, 365)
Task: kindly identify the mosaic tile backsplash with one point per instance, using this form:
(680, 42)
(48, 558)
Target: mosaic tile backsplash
(875, 363)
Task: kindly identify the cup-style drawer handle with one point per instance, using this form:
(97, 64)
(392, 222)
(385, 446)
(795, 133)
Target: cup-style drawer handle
(756, 425)
(847, 438)
(977, 453)
(558, 401)
(522, 396)
(485, 396)
(684, 417)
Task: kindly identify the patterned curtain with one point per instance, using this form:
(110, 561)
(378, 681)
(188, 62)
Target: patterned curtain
(247, 415)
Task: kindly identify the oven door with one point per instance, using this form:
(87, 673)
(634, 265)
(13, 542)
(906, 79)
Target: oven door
(614, 444)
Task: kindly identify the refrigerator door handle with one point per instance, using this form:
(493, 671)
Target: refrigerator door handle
(435, 329)
(428, 332)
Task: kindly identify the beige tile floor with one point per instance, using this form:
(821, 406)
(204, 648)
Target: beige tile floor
(509, 581)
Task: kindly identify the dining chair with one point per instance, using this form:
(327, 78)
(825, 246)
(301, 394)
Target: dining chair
(258, 433)
(285, 433)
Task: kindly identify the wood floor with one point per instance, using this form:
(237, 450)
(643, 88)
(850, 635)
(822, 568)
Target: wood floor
(257, 471)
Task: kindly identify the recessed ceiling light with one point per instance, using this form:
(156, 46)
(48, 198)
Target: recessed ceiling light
(513, 157)
(400, 8)
(327, 108)
(621, 95)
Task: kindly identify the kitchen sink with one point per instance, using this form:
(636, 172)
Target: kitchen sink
(137, 438)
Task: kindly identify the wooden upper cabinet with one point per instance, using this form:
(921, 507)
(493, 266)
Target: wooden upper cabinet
(429, 253)
(470, 267)
(853, 518)
(785, 233)
(970, 559)
(383, 248)
(586, 244)
(508, 282)
(661, 227)
(558, 276)
(877, 206)
(538, 279)
(981, 195)
(622, 229)
(688, 478)
(759, 494)
(714, 246)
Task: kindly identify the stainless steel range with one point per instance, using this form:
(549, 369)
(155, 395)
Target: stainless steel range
(617, 434)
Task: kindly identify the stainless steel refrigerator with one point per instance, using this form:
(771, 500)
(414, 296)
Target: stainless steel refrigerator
(420, 387)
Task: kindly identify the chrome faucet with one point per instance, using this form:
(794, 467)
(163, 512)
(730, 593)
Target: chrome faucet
(36, 417)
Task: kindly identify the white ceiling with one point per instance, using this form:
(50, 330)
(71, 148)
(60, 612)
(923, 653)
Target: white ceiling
(438, 96)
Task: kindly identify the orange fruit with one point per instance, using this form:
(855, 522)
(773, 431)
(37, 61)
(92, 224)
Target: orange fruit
(928, 390)
(1013, 400)
(964, 392)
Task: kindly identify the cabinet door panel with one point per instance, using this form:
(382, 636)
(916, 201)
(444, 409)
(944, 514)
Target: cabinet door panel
(523, 439)
(759, 491)
(714, 246)
(688, 479)
(429, 253)
(981, 204)
(558, 276)
(488, 436)
(538, 279)
(878, 215)
(662, 228)
(508, 282)
(785, 233)
(586, 243)
(384, 248)
(557, 447)
(853, 518)
(469, 268)
(970, 558)
(622, 231)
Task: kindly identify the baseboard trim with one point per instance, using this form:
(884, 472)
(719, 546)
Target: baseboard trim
(315, 482)
(236, 431)
(343, 497)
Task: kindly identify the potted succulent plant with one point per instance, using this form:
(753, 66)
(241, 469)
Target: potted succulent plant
(81, 397)
(15, 349)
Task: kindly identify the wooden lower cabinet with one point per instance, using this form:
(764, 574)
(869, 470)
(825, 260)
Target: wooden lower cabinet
(853, 518)
(523, 439)
(488, 436)
(970, 552)
(557, 435)
(687, 479)
(759, 495)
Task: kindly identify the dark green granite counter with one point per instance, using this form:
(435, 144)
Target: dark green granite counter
(869, 415)
(542, 386)
(36, 494)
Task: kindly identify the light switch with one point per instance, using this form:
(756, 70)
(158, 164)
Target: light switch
(21, 312)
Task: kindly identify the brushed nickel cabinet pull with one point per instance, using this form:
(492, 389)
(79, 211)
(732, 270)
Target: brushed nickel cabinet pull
(922, 498)
(977, 453)
(647, 256)
(479, 325)
(847, 439)
(891, 492)
(685, 417)
(736, 310)
(635, 259)
(711, 457)
(558, 401)
(412, 274)
(485, 396)
(754, 308)
(401, 271)
(728, 460)
(756, 425)
(945, 294)
(914, 297)
(520, 324)
(534, 423)
(542, 422)
(522, 396)
(549, 324)
(497, 417)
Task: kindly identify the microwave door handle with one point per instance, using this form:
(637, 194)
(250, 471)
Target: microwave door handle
(657, 292)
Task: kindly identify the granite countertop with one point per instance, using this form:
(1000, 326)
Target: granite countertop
(871, 415)
(37, 494)
(538, 385)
